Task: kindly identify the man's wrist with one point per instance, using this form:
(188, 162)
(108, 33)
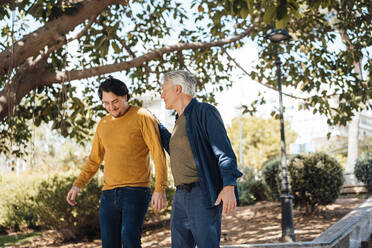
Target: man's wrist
(160, 188)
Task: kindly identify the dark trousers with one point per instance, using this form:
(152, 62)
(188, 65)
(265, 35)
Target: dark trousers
(192, 223)
(121, 214)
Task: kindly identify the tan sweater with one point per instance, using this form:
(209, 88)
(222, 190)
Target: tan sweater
(124, 144)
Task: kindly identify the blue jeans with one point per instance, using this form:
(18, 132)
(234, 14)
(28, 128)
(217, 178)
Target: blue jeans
(192, 223)
(122, 213)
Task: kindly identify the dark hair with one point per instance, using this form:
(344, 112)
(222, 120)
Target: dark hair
(115, 86)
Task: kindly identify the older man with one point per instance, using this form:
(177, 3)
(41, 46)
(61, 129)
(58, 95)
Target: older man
(203, 165)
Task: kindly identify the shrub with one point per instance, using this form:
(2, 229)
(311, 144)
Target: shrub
(55, 213)
(40, 203)
(316, 179)
(363, 170)
(17, 205)
(271, 174)
(250, 189)
(260, 190)
(21, 213)
(3, 230)
(245, 195)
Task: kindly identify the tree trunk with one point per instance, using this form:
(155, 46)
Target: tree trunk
(353, 128)
(352, 150)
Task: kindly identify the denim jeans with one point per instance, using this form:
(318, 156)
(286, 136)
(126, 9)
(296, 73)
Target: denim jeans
(121, 214)
(192, 223)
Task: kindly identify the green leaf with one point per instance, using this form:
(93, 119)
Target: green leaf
(269, 14)
(281, 11)
(250, 6)
(244, 13)
(37, 10)
(282, 23)
(116, 48)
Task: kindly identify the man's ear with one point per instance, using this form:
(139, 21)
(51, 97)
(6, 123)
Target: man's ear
(179, 89)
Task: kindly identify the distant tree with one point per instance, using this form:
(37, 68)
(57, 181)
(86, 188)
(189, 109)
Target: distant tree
(261, 139)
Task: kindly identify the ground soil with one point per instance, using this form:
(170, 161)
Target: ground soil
(259, 223)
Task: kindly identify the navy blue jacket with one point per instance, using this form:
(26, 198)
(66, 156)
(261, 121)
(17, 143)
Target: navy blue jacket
(214, 157)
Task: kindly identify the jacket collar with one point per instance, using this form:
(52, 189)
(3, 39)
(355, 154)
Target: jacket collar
(189, 107)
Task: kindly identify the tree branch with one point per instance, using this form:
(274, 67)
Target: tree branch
(3, 2)
(59, 77)
(51, 49)
(266, 85)
(50, 33)
(350, 46)
(38, 76)
(132, 54)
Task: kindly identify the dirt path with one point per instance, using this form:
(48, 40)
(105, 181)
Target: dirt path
(259, 223)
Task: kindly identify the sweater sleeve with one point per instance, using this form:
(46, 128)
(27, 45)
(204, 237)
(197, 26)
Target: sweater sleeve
(151, 136)
(92, 164)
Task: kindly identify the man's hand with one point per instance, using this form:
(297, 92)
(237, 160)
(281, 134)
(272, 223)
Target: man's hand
(158, 201)
(227, 196)
(153, 115)
(71, 195)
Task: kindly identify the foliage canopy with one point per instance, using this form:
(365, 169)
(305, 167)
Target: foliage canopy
(143, 39)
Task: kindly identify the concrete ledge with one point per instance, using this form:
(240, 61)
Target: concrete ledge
(351, 230)
(348, 232)
(354, 189)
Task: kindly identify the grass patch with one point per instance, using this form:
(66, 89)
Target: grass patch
(17, 239)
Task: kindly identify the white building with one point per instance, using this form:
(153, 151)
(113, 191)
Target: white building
(312, 129)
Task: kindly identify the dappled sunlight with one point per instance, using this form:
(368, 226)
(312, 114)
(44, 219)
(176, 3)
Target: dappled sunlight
(261, 223)
(269, 228)
(160, 238)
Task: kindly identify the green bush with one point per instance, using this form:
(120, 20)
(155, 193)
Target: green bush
(72, 222)
(316, 179)
(81, 220)
(3, 230)
(40, 203)
(17, 205)
(363, 170)
(271, 175)
(21, 213)
(250, 189)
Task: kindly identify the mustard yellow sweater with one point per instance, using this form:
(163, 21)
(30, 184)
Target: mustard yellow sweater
(124, 144)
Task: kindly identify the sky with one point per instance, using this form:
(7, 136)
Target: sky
(244, 90)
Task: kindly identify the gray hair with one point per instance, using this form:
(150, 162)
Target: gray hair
(183, 78)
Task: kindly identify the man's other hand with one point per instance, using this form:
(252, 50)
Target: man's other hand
(71, 195)
(158, 201)
(227, 196)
